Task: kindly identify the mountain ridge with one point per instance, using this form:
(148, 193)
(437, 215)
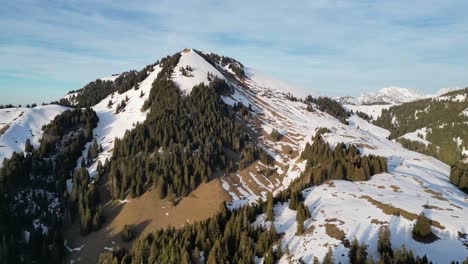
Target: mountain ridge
(414, 182)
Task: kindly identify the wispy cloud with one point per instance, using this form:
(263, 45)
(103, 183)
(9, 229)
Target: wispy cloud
(331, 47)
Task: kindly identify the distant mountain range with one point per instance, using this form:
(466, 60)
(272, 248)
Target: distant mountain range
(388, 95)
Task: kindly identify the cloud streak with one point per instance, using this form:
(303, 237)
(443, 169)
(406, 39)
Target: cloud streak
(330, 47)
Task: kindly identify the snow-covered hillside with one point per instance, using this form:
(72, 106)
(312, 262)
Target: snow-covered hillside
(414, 183)
(19, 124)
(113, 125)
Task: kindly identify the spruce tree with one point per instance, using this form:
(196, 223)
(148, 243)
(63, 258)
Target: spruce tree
(422, 228)
(384, 241)
(329, 259)
(270, 214)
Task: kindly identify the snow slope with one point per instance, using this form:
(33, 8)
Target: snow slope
(113, 125)
(19, 124)
(199, 74)
(414, 183)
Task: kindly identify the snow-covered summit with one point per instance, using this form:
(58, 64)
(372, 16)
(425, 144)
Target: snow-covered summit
(390, 95)
(193, 69)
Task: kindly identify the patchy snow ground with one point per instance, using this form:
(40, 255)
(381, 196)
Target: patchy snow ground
(414, 183)
(19, 124)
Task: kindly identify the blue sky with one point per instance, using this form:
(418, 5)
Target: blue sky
(328, 47)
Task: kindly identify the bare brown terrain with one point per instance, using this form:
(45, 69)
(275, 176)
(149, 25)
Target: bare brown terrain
(145, 214)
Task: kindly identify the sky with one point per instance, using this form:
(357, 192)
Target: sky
(333, 47)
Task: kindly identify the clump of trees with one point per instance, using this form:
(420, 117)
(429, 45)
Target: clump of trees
(186, 71)
(85, 202)
(422, 228)
(459, 175)
(275, 135)
(215, 60)
(302, 214)
(341, 163)
(330, 107)
(127, 233)
(324, 163)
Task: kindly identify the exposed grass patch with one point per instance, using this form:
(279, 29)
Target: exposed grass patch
(333, 231)
(395, 188)
(4, 129)
(378, 222)
(435, 195)
(392, 210)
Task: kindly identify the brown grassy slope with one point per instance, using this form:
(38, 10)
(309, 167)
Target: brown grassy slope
(145, 214)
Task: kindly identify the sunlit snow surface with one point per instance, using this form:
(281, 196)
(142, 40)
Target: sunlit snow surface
(414, 181)
(19, 124)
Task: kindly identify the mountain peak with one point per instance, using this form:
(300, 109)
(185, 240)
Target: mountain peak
(390, 95)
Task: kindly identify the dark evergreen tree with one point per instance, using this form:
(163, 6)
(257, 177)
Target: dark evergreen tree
(269, 210)
(422, 228)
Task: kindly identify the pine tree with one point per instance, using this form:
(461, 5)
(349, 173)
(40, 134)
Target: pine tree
(126, 233)
(293, 202)
(357, 253)
(28, 146)
(329, 259)
(422, 228)
(270, 214)
(301, 215)
(384, 241)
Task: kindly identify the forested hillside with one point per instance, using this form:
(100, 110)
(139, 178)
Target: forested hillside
(95, 91)
(181, 143)
(435, 126)
(439, 125)
(33, 204)
(233, 236)
(126, 172)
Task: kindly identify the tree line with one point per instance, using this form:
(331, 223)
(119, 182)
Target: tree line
(93, 92)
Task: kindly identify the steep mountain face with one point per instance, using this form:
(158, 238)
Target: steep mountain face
(278, 123)
(343, 205)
